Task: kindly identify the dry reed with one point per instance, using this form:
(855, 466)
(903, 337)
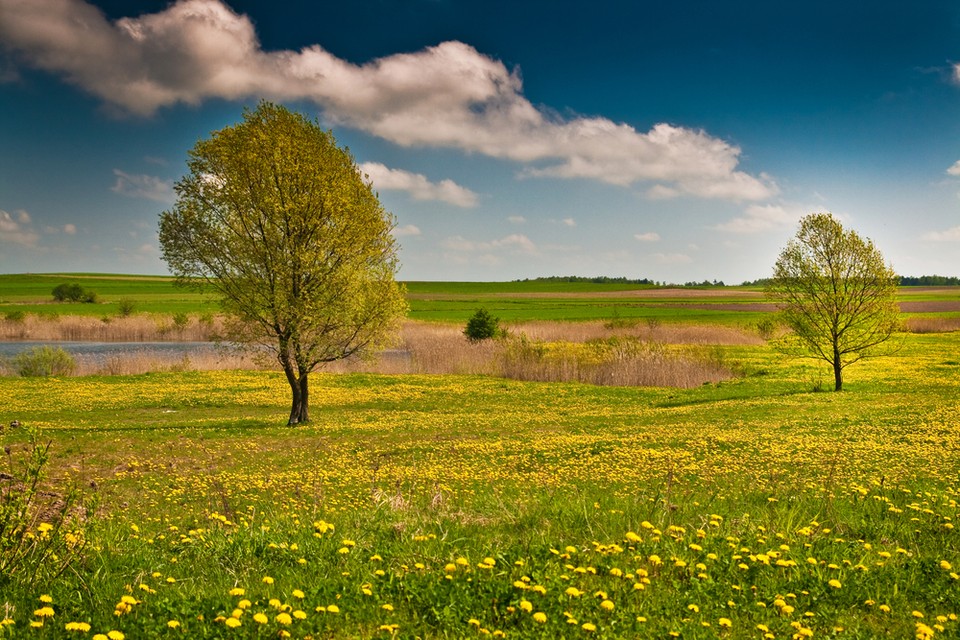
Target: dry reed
(135, 328)
(932, 324)
(589, 352)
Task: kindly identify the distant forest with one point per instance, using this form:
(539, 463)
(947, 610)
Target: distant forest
(905, 281)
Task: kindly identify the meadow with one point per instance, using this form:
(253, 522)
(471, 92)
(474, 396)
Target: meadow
(175, 504)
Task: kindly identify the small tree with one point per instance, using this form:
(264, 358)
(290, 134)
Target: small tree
(482, 326)
(836, 293)
(278, 219)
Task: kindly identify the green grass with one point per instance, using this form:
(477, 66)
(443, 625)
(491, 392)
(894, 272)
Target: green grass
(694, 495)
(436, 301)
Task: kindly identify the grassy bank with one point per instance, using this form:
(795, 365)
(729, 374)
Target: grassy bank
(469, 506)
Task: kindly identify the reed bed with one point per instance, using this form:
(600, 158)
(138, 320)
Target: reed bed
(592, 352)
(134, 328)
(932, 324)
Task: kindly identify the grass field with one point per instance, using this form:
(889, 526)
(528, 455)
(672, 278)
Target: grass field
(453, 506)
(456, 301)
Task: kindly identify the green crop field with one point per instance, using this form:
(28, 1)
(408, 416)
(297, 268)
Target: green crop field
(421, 506)
(455, 301)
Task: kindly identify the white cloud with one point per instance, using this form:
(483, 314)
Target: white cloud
(406, 230)
(758, 218)
(954, 169)
(513, 243)
(661, 192)
(516, 219)
(143, 186)
(672, 258)
(650, 236)
(70, 229)
(948, 235)
(418, 186)
(15, 229)
(449, 95)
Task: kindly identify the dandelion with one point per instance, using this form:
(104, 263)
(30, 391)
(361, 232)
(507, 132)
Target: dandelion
(173, 624)
(283, 618)
(233, 623)
(526, 605)
(885, 608)
(540, 617)
(77, 626)
(589, 627)
(835, 583)
(48, 599)
(607, 605)
(260, 618)
(115, 635)
(44, 612)
(298, 594)
(267, 580)
(300, 615)
(946, 566)
(725, 623)
(333, 609)
(694, 608)
(573, 592)
(237, 591)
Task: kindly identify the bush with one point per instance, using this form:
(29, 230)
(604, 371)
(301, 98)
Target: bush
(73, 292)
(483, 326)
(126, 307)
(44, 361)
(16, 315)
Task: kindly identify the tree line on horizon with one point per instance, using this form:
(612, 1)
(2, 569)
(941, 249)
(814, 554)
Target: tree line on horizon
(905, 281)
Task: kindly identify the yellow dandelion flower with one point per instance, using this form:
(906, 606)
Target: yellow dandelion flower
(300, 615)
(260, 618)
(115, 635)
(283, 618)
(333, 609)
(267, 580)
(526, 605)
(835, 583)
(44, 612)
(540, 617)
(233, 623)
(589, 627)
(173, 624)
(607, 604)
(77, 626)
(298, 594)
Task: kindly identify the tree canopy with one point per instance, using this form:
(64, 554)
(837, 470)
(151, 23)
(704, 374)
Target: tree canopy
(836, 293)
(278, 220)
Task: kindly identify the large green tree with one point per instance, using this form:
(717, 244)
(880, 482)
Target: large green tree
(836, 293)
(278, 220)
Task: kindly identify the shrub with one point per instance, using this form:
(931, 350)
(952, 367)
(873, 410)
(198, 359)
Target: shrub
(180, 322)
(15, 315)
(73, 292)
(126, 307)
(44, 361)
(483, 326)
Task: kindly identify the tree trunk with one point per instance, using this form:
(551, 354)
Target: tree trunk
(297, 401)
(304, 397)
(837, 370)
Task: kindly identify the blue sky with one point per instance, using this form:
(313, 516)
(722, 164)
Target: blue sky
(673, 141)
